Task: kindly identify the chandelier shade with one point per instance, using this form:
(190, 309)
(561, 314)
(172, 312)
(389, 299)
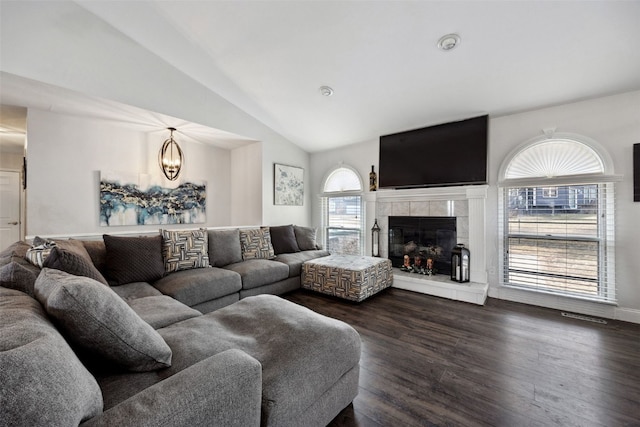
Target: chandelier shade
(170, 157)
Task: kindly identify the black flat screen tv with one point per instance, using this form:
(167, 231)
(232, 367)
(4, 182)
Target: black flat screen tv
(437, 156)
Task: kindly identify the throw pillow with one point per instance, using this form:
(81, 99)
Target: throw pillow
(73, 261)
(306, 237)
(19, 277)
(185, 249)
(97, 320)
(224, 247)
(256, 243)
(42, 381)
(40, 250)
(283, 239)
(134, 259)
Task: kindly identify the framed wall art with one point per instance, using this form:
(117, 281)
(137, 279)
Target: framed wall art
(288, 185)
(136, 199)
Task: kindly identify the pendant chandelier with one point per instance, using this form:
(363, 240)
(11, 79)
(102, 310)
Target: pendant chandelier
(170, 157)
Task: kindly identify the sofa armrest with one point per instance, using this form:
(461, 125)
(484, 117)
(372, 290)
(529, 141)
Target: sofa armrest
(224, 389)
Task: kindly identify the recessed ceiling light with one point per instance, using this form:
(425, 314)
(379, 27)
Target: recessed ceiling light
(448, 42)
(326, 91)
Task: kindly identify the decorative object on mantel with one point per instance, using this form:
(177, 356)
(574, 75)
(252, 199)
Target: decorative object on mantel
(460, 259)
(373, 180)
(132, 199)
(375, 239)
(170, 157)
(288, 185)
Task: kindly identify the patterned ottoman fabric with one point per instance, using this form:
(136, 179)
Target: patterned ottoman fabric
(347, 276)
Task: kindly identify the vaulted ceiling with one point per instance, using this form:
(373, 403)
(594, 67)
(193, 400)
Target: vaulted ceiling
(381, 58)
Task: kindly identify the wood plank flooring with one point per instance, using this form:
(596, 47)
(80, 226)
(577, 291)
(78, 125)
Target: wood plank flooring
(428, 361)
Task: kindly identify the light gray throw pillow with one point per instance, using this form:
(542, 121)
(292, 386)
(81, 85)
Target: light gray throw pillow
(42, 381)
(96, 319)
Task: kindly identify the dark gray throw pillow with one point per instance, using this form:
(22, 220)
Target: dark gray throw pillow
(283, 239)
(224, 247)
(134, 259)
(73, 262)
(19, 277)
(306, 237)
(96, 319)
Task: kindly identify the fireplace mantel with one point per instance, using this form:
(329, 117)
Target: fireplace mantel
(466, 203)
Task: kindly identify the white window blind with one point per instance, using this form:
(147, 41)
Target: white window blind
(561, 244)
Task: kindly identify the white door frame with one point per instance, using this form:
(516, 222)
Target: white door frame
(21, 198)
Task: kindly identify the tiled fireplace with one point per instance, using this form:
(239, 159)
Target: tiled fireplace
(467, 205)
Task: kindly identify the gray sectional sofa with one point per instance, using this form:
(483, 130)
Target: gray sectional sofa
(100, 336)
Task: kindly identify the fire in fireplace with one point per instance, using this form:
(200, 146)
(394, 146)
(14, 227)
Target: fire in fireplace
(422, 244)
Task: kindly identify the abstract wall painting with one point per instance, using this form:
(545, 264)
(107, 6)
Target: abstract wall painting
(288, 185)
(132, 199)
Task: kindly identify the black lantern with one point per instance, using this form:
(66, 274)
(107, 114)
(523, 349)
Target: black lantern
(460, 259)
(375, 239)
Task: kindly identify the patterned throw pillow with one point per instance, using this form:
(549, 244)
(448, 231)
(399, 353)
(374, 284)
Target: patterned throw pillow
(256, 243)
(39, 251)
(185, 249)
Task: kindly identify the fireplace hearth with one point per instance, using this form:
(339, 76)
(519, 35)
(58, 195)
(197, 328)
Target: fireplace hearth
(422, 244)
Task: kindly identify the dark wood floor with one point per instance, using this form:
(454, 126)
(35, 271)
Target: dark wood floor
(435, 362)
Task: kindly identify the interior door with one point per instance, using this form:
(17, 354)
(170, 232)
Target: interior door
(9, 208)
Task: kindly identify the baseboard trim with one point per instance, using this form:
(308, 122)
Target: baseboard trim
(628, 315)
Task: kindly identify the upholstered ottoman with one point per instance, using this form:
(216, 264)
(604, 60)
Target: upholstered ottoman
(347, 276)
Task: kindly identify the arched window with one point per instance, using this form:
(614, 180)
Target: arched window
(557, 219)
(342, 220)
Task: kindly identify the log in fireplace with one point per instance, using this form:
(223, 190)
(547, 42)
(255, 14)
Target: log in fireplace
(422, 238)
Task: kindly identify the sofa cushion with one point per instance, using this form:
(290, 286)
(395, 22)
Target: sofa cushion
(134, 290)
(184, 249)
(161, 311)
(306, 237)
(295, 261)
(18, 276)
(74, 261)
(42, 380)
(134, 259)
(98, 253)
(192, 287)
(224, 247)
(94, 318)
(16, 250)
(259, 272)
(256, 243)
(283, 239)
(303, 354)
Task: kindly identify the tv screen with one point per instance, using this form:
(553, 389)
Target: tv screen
(447, 154)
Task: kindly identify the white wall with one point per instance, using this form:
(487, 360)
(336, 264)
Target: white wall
(87, 55)
(246, 185)
(66, 155)
(614, 122)
(284, 153)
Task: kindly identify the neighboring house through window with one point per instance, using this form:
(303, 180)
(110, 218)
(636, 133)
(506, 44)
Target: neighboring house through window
(342, 221)
(557, 218)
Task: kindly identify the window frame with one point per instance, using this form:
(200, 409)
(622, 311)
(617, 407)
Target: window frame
(325, 203)
(605, 181)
